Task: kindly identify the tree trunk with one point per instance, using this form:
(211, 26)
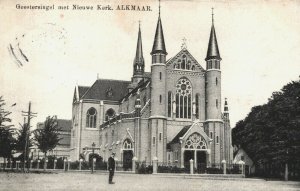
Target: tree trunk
(4, 165)
(45, 158)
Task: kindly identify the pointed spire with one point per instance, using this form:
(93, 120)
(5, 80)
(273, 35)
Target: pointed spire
(159, 41)
(213, 50)
(139, 59)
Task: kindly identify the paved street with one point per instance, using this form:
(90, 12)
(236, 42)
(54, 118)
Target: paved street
(84, 181)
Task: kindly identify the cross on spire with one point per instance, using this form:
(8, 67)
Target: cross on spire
(212, 15)
(183, 45)
(158, 7)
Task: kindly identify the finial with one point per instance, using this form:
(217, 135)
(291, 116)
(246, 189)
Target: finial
(212, 15)
(159, 8)
(183, 46)
(139, 23)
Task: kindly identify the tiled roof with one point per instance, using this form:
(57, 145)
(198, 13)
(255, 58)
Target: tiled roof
(141, 85)
(82, 90)
(180, 134)
(64, 124)
(104, 89)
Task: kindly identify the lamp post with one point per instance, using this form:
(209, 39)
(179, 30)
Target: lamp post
(93, 150)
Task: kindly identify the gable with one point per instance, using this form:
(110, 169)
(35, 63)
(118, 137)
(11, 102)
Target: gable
(184, 61)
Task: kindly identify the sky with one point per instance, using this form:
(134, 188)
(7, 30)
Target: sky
(45, 53)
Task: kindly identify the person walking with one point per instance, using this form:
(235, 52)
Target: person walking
(111, 167)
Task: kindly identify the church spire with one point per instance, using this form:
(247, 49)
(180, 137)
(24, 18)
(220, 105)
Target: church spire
(139, 65)
(226, 110)
(159, 41)
(213, 50)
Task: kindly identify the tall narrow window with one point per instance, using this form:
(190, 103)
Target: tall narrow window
(211, 134)
(183, 98)
(217, 104)
(197, 105)
(110, 113)
(159, 98)
(91, 118)
(216, 81)
(160, 75)
(217, 139)
(169, 104)
(153, 141)
(160, 135)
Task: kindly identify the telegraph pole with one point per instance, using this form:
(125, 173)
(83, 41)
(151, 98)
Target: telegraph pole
(29, 114)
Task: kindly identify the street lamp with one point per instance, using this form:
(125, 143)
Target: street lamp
(93, 149)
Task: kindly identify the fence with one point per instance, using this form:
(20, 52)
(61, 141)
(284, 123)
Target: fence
(131, 166)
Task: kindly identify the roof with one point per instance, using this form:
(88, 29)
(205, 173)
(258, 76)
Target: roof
(159, 41)
(64, 124)
(213, 50)
(82, 90)
(142, 84)
(176, 139)
(139, 59)
(106, 89)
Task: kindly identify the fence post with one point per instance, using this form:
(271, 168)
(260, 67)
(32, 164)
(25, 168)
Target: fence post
(155, 165)
(30, 164)
(224, 166)
(133, 164)
(54, 164)
(116, 163)
(80, 161)
(69, 162)
(191, 166)
(38, 164)
(45, 164)
(17, 165)
(286, 172)
(242, 165)
(65, 160)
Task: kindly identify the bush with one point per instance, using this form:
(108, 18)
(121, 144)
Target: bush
(144, 169)
(214, 170)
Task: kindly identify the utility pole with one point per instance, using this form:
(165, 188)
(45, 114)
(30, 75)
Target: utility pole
(29, 116)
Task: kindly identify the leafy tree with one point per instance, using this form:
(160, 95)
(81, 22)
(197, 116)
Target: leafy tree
(23, 136)
(47, 138)
(6, 134)
(271, 132)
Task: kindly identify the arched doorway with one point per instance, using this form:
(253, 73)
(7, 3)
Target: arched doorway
(127, 154)
(195, 148)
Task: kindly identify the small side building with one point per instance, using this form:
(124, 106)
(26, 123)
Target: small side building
(241, 155)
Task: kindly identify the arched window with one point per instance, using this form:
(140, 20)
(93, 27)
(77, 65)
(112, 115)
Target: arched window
(127, 145)
(183, 98)
(91, 117)
(169, 104)
(110, 113)
(195, 141)
(197, 101)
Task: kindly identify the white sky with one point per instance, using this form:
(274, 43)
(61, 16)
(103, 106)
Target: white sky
(259, 43)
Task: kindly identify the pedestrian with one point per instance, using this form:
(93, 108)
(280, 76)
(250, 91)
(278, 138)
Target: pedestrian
(111, 167)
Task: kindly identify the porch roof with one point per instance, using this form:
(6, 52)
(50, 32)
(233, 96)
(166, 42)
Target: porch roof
(176, 139)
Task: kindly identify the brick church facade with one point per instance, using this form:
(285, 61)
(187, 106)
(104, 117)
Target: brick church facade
(172, 113)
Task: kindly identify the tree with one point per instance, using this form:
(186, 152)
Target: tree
(47, 138)
(23, 136)
(271, 132)
(6, 134)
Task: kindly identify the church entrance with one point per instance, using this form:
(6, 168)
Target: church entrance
(127, 159)
(195, 148)
(127, 154)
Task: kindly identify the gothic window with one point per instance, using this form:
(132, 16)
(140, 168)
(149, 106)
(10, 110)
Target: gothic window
(183, 98)
(91, 117)
(169, 104)
(184, 64)
(110, 113)
(127, 144)
(160, 75)
(193, 67)
(197, 105)
(195, 141)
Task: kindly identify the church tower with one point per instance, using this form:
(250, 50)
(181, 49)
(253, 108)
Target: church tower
(138, 63)
(213, 96)
(158, 95)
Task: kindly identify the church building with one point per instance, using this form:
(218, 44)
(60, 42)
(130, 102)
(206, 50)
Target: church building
(172, 114)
